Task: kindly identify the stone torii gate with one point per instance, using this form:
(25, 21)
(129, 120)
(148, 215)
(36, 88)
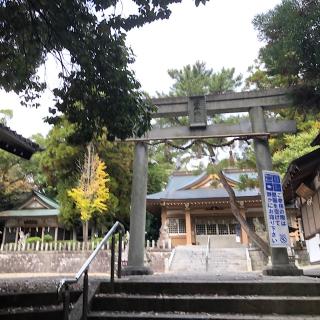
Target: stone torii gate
(197, 109)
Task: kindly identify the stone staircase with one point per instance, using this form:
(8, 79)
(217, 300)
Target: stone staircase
(221, 260)
(177, 298)
(181, 300)
(33, 305)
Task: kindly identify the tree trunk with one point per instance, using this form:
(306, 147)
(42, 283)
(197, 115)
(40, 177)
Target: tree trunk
(85, 228)
(236, 212)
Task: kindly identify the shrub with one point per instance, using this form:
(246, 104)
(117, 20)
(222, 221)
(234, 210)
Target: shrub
(33, 239)
(47, 238)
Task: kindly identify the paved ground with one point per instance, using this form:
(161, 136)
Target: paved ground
(19, 282)
(48, 281)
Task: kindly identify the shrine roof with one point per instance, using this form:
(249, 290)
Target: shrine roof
(16, 144)
(302, 169)
(29, 213)
(235, 176)
(203, 193)
(50, 202)
(177, 182)
(180, 181)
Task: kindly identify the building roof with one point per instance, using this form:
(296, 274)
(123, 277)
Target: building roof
(177, 182)
(16, 144)
(50, 202)
(201, 194)
(300, 170)
(180, 187)
(29, 213)
(36, 205)
(235, 175)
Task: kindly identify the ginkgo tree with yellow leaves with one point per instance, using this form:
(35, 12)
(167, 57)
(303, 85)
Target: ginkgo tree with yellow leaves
(92, 193)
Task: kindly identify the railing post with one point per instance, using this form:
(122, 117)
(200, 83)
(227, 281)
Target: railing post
(85, 296)
(119, 254)
(66, 302)
(112, 259)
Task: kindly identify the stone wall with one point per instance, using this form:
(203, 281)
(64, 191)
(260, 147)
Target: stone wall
(68, 261)
(156, 260)
(258, 259)
(47, 262)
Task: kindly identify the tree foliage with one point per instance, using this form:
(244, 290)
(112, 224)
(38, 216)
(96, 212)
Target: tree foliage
(198, 79)
(292, 35)
(92, 193)
(87, 37)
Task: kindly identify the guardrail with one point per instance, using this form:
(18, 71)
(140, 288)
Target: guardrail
(63, 287)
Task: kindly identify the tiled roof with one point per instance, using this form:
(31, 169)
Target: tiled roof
(14, 143)
(177, 188)
(51, 203)
(235, 176)
(179, 182)
(203, 193)
(29, 213)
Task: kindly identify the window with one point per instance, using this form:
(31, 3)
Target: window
(212, 229)
(182, 226)
(176, 225)
(251, 224)
(223, 229)
(200, 229)
(232, 228)
(173, 226)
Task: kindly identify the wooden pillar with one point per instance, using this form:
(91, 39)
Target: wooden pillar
(74, 234)
(4, 237)
(42, 234)
(55, 234)
(17, 236)
(164, 216)
(244, 236)
(188, 224)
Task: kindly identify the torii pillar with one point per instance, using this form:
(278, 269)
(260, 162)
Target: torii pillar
(138, 212)
(279, 256)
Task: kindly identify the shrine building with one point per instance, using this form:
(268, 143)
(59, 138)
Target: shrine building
(195, 207)
(36, 216)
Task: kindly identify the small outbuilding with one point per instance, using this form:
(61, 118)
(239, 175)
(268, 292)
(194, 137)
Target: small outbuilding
(36, 216)
(301, 187)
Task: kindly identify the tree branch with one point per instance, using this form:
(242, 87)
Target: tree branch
(244, 225)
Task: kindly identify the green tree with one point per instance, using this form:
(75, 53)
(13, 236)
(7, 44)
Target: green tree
(295, 146)
(88, 40)
(56, 173)
(292, 34)
(197, 79)
(91, 193)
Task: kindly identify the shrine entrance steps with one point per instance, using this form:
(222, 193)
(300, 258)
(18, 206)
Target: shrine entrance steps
(249, 296)
(220, 260)
(41, 305)
(184, 299)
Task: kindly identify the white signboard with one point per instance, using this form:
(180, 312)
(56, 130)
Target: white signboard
(276, 213)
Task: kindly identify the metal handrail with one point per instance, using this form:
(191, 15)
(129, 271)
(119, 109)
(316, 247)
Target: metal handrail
(207, 253)
(64, 283)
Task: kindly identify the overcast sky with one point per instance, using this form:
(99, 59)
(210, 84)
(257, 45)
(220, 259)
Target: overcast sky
(219, 33)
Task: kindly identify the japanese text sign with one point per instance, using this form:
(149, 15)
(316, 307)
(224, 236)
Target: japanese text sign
(276, 213)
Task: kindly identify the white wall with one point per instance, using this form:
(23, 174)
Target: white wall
(313, 247)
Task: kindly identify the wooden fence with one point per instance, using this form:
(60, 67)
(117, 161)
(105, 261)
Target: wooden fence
(75, 246)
